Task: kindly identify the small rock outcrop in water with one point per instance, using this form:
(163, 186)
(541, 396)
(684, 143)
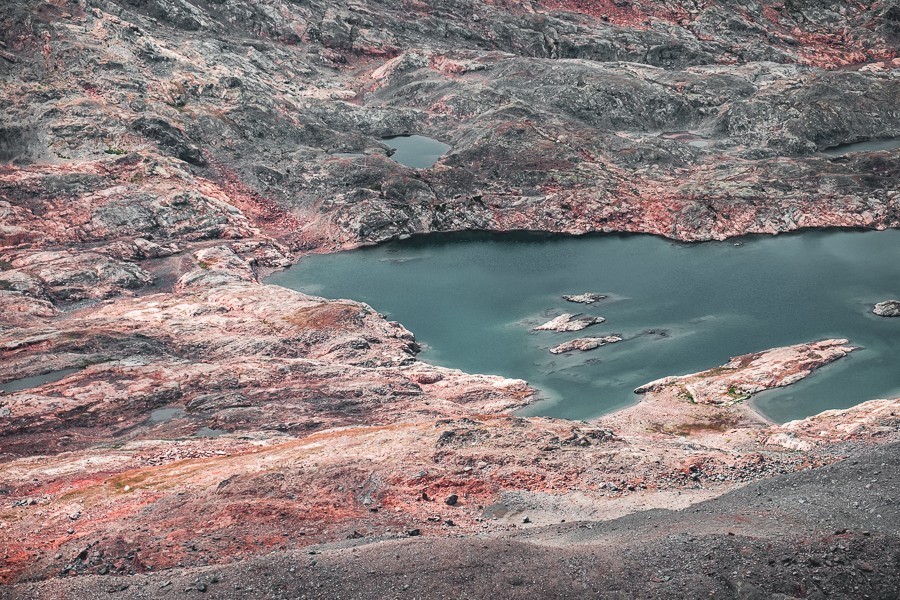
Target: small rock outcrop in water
(888, 308)
(746, 375)
(96, 192)
(586, 298)
(567, 322)
(585, 344)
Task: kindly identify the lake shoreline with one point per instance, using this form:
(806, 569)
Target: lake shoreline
(733, 321)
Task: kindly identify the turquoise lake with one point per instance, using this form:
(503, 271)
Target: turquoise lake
(473, 299)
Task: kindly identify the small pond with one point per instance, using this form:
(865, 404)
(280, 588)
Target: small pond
(36, 381)
(416, 151)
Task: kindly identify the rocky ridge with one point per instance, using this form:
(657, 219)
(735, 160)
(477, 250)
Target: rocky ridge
(567, 322)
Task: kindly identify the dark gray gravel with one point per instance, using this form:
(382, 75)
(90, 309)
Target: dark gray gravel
(832, 532)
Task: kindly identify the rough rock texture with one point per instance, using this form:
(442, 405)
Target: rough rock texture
(305, 364)
(586, 298)
(157, 157)
(566, 322)
(888, 308)
(694, 121)
(302, 421)
(585, 344)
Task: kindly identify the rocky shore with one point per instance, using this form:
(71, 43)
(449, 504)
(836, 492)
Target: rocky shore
(158, 158)
(585, 344)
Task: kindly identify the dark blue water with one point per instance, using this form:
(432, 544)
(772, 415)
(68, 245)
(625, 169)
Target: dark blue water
(473, 300)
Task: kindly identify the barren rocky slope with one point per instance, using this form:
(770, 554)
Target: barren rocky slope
(157, 157)
(823, 533)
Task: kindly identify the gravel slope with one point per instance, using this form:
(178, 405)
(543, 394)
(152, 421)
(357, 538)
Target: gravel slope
(828, 532)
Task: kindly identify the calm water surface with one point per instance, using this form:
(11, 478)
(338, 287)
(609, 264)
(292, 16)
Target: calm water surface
(416, 151)
(473, 299)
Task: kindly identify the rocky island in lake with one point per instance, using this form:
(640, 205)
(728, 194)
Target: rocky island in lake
(888, 308)
(585, 344)
(283, 294)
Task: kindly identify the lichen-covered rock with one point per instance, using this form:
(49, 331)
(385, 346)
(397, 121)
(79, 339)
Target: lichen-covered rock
(72, 276)
(746, 375)
(170, 138)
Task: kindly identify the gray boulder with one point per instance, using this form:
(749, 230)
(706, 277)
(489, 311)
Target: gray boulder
(888, 308)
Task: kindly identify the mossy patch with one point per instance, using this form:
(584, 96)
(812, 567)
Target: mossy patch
(684, 394)
(714, 372)
(736, 393)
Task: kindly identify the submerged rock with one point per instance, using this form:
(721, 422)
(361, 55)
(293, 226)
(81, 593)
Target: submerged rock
(888, 308)
(567, 322)
(586, 298)
(585, 344)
